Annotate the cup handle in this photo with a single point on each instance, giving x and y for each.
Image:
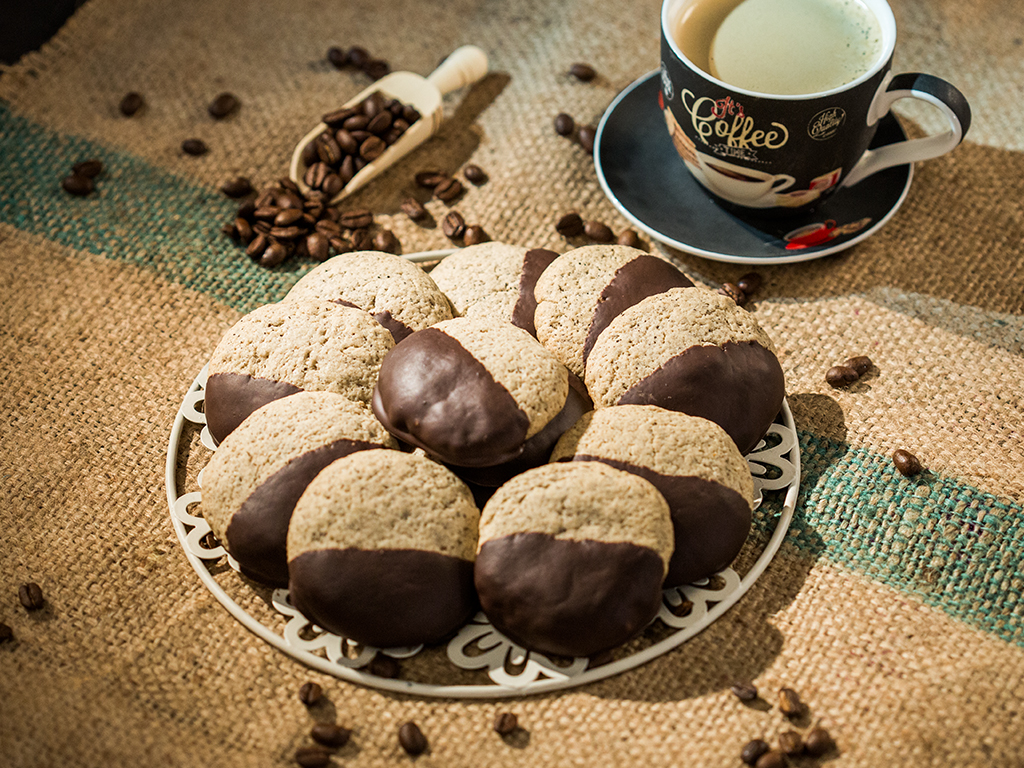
(786, 181)
(914, 85)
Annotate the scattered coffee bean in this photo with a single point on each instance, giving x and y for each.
(861, 364)
(586, 137)
(414, 209)
(310, 693)
(773, 758)
(412, 739)
(77, 185)
(474, 235)
(362, 239)
(430, 179)
(286, 217)
(582, 72)
(907, 463)
(377, 68)
(599, 232)
(131, 103)
(474, 174)
(385, 666)
(225, 104)
(570, 225)
(564, 124)
(840, 376)
(733, 292)
(749, 282)
(818, 742)
(237, 187)
(312, 757)
(506, 723)
(357, 56)
(630, 238)
(744, 691)
(386, 241)
(753, 750)
(6, 633)
(330, 734)
(789, 703)
(194, 147)
(88, 168)
(31, 596)
(791, 743)
(448, 190)
(337, 57)
(453, 225)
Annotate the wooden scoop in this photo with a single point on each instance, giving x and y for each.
(465, 65)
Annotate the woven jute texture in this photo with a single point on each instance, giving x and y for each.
(893, 606)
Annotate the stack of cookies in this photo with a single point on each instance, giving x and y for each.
(553, 439)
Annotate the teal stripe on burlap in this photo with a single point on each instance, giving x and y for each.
(138, 214)
(952, 545)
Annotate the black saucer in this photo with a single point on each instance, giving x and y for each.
(645, 178)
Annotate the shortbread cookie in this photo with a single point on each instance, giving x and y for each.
(572, 557)
(280, 349)
(470, 392)
(494, 281)
(381, 548)
(399, 294)
(253, 481)
(691, 350)
(695, 465)
(583, 290)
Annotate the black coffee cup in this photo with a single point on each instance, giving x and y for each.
(772, 153)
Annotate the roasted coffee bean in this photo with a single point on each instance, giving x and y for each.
(31, 596)
(336, 118)
(225, 104)
(288, 185)
(310, 693)
(356, 219)
(357, 56)
(861, 364)
(266, 213)
(414, 209)
(275, 254)
(328, 150)
(194, 147)
(386, 241)
(789, 703)
(582, 72)
(337, 57)
(453, 225)
(287, 217)
(372, 148)
(506, 723)
(586, 136)
(286, 233)
(377, 68)
(340, 245)
(131, 103)
(236, 187)
(332, 184)
(88, 168)
(773, 758)
(818, 742)
(410, 114)
(753, 750)
(328, 228)
(430, 179)
(474, 235)
(312, 757)
(286, 198)
(330, 734)
(630, 238)
(246, 209)
(77, 185)
(317, 246)
(474, 174)
(412, 739)
(265, 198)
(840, 376)
(599, 232)
(907, 463)
(564, 124)
(347, 169)
(309, 155)
(749, 282)
(315, 174)
(359, 136)
(357, 122)
(346, 141)
(6, 633)
(243, 229)
(791, 743)
(362, 240)
(385, 666)
(448, 190)
(733, 292)
(229, 230)
(570, 225)
(380, 122)
(373, 104)
(744, 691)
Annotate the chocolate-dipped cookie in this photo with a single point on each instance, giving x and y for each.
(280, 349)
(381, 548)
(695, 465)
(583, 290)
(469, 392)
(572, 557)
(494, 281)
(258, 473)
(399, 294)
(691, 350)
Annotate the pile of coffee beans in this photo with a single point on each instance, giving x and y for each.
(573, 227)
(354, 137)
(817, 742)
(358, 58)
(848, 371)
(742, 289)
(281, 222)
(80, 182)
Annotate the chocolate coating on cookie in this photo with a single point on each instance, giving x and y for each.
(565, 597)
(384, 598)
(398, 329)
(534, 264)
(738, 385)
(231, 397)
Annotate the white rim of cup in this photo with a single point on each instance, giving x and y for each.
(880, 8)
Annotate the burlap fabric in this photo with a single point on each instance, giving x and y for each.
(894, 605)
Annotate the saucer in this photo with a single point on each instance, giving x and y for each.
(643, 175)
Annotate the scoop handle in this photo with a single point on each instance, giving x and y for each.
(463, 66)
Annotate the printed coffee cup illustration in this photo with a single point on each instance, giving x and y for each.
(772, 104)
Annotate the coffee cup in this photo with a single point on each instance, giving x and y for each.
(772, 104)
